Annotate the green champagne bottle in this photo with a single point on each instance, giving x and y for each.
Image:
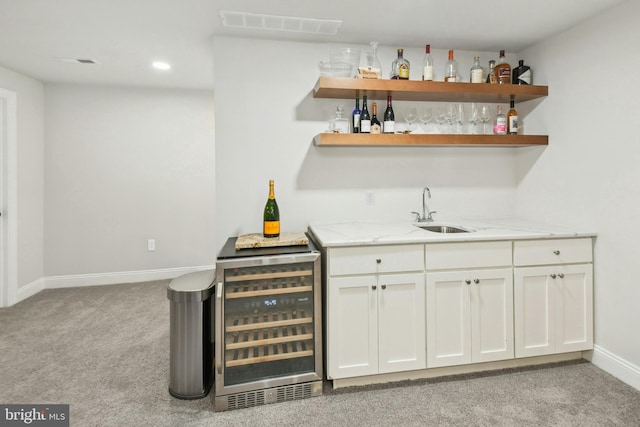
(271, 224)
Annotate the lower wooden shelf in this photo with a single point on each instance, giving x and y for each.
(431, 140)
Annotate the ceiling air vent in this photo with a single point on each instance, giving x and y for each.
(78, 60)
(256, 21)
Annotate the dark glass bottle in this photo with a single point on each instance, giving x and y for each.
(355, 117)
(521, 75)
(375, 123)
(389, 124)
(365, 118)
(271, 223)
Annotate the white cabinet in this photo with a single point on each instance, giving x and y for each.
(469, 302)
(553, 303)
(376, 321)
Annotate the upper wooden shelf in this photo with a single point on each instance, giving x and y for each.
(416, 90)
(432, 140)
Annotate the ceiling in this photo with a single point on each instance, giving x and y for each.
(125, 36)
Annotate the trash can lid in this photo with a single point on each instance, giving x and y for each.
(196, 286)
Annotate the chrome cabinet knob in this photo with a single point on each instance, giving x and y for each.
(561, 276)
(476, 281)
(384, 286)
(468, 282)
(378, 260)
(553, 276)
(557, 252)
(374, 287)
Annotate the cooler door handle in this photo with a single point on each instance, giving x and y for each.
(219, 323)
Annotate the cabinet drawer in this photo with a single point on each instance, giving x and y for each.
(440, 256)
(555, 251)
(376, 259)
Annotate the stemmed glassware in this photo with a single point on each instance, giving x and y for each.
(410, 116)
(485, 116)
(473, 117)
(425, 117)
(460, 118)
(449, 115)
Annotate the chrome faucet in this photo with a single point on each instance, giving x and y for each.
(426, 213)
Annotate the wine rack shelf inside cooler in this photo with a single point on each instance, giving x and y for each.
(270, 316)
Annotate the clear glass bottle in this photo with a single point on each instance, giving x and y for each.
(400, 67)
(340, 123)
(451, 69)
(500, 127)
(477, 72)
(491, 77)
(427, 65)
(371, 68)
(503, 70)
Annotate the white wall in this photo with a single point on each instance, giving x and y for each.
(589, 175)
(266, 118)
(30, 171)
(123, 165)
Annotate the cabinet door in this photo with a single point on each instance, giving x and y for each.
(401, 322)
(491, 293)
(448, 321)
(352, 323)
(534, 311)
(574, 308)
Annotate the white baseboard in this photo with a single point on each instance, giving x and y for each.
(616, 366)
(30, 289)
(80, 280)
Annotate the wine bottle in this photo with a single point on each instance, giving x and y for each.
(427, 65)
(477, 72)
(400, 67)
(355, 117)
(500, 127)
(503, 70)
(375, 123)
(389, 124)
(271, 223)
(491, 77)
(512, 119)
(451, 69)
(521, 74)
(365, 118)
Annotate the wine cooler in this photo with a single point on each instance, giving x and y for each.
(268, 327)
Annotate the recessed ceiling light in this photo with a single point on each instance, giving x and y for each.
(160, 65)
(255, 21)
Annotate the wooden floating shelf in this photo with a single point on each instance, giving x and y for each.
(417, 90)
(431, 140)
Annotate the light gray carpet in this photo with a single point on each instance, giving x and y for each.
(105, 351)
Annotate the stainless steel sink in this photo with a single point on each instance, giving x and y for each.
(443, 229)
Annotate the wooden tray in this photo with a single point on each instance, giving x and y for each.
(256, 240)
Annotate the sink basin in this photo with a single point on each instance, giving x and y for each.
(443, 229)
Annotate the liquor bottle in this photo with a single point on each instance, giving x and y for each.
(521, 74)
(491, 77)
(340, 123)
(503, 70)
(365, 118)
(427, 65)
(512, 119)
(477, 72)
(355, 117)
(271, 223)
(450, 69)
(375, 123)
(400, 67)
(500, 127)
(389, 124)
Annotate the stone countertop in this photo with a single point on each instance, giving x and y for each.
(358, 233)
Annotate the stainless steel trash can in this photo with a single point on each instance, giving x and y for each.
(191, 333)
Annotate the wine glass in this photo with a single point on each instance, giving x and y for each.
(440, 119)
(425, 117)
(449, 115)
(460, 118)
(474, 117)
(485, 116)
(410, 116)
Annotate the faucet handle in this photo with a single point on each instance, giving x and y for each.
(429, 217)
(417, 216)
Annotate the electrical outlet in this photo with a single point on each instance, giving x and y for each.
(370, 197)
(151, 245)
